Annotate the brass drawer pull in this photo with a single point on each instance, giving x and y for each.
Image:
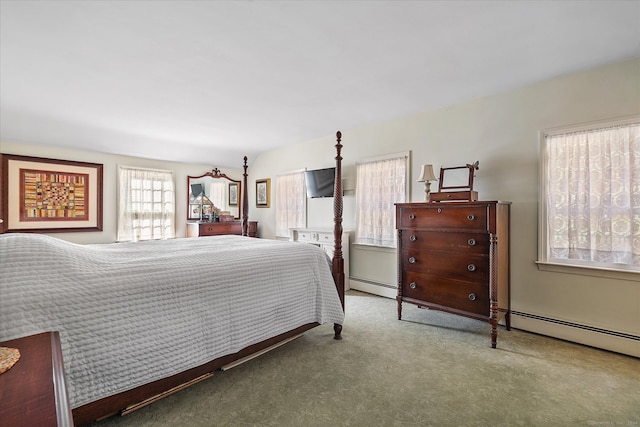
(471, 242)
(412, 238)
(412, 216)
(472, 297)
(413, 285)
(412, 260)
(471, 217)
(471, 267)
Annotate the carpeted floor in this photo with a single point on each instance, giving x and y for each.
(430, 369)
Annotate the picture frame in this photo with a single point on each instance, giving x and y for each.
(263, 190)
(50, 195)
(233, 194)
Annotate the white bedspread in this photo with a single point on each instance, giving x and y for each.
(132, 313)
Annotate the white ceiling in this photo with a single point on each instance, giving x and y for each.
(212, 81)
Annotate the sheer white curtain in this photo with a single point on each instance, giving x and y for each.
(593, 195)
(146, 208)
(290, 202)
(218, 195)
(379, 184)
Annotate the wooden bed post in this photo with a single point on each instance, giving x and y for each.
(245, 202)
(338, 260)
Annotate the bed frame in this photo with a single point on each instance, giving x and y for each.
(128, 401)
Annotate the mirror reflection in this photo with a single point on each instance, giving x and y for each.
(213, 197)
(459, 177)
(455, 177)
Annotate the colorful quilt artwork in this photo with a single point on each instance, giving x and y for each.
(51, 196)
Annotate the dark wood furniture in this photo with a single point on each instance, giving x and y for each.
(452, 185)
(195, 229)
(33, 391)
(126, 401)
(454, 257)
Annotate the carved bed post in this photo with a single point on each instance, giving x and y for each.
(338, 260)
(245, 202)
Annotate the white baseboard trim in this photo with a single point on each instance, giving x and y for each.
(370, 287)
(594, 337)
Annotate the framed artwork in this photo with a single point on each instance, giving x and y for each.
(233, 194)
(50, 195)
(263, 188)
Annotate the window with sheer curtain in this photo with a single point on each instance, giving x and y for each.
(290, 203)
(591, 196)
(380, 182)
(146, 208)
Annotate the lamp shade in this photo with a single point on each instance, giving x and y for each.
(426, 174)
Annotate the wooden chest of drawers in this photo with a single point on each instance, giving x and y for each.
(195, 229)
(455, 257)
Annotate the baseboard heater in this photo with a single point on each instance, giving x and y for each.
(377, 288)
(576, 325)
(371, 282)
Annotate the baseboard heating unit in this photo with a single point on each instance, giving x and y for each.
(619, 342)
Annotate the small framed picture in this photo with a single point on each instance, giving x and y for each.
(233, 194)
(263, 190)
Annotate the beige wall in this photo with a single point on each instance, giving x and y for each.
(502, 132)
(110, 168)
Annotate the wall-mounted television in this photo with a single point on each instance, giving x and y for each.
(320, 182)
(196, 190)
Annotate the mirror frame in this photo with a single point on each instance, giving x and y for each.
(471, 170)
(215, 174)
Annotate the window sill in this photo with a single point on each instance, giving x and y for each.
(610, 273)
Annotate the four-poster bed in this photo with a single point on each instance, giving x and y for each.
(301, 300)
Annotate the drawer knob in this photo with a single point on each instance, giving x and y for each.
(471, 267)
(412, 238)
(413, 285)
(471, 217)
(412, 216)
(439, 210)
(471, 242)
(412, 260)
(472, 297)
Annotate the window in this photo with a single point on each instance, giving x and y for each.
(146, 208)
(380, 182)
(290, 202)
(590, 189)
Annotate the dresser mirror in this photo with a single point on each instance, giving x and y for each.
(458, 177)
(211, 193)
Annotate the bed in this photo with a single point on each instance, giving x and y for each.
(138, 321)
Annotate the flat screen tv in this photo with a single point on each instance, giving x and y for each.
(196, 189)
(320, 182)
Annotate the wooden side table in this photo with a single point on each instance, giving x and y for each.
(33, 392)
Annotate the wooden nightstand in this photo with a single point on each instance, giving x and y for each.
(33, 392)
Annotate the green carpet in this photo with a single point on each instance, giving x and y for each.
(430, 369)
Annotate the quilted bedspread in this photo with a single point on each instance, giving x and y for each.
(132, 313)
